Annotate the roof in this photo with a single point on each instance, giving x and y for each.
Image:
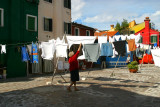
(138, 27)
(82, 26)
(105, 33)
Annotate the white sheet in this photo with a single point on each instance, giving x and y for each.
(80, 39)
(156, 56)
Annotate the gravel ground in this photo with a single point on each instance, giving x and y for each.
(100, 89)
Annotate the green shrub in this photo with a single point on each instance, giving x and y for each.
(133, 65)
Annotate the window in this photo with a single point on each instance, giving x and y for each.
(31, 23)
(1, 17)
(67, 28)
(48, 1)
(47, 24)
(77, 31)
(153, 38)
(33, 1)
(141, 40)
(87, 33)
(67, 4)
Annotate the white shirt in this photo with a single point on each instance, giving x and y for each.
(3, 49)
(48, 49)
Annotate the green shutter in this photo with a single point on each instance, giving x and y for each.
(0, 17)
(152, 39)
(88, 33)
(69, 28)
(141, 40)
(31, 23)
(76, 32)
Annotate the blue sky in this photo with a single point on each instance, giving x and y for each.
(101, 14)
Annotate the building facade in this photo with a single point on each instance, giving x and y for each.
(18, 24)
(82, 30)
(54, 19)
(149, 35)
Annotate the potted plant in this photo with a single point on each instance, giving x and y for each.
(133, 66)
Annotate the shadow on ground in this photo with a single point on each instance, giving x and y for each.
(93, 95)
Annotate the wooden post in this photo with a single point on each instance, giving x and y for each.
(115, 67)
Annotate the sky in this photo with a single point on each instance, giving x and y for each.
(101, 14)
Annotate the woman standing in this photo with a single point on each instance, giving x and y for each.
(74, 68)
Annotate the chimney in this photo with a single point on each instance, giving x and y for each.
(147, 30)
(112, 27)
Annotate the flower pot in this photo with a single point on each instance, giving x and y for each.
(133, 70)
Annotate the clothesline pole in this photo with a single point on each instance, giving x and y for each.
(55, 69)
(115, 66)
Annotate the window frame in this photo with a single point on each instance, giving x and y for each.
(69, 28)
(89, 33)
(141, 40)
(28, 15)
(154, 35)
(2, 17)
(49, 25)
(48, 1)
(68, 4)
(78, 31)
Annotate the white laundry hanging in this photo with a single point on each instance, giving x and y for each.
(3, 49)
(80, 39)
(48, 49)
(61, 48)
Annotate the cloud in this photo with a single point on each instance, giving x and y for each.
(77, 6)
(110, 19)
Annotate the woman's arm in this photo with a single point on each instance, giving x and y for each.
(79, 47)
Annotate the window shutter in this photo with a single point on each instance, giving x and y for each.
(156, 39)
(50, 24)
(69, 28)
(151, 39)
(66, 3)
(50, 1)
(31, 23)
(65, 27)
(69, 4)
(76, 32)
(44, 24)
(0, 17)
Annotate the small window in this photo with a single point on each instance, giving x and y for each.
(67, 4)
(47, 24)
(31, 23)
(77, 31)
(1, 17)
(48, 1)
(154, 39)
(141, 40)
(67, 28)
(87, 33)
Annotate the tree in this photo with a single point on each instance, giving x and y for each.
(124, 24)
(123, 28)
(118, 26)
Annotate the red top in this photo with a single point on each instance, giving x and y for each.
(73, 62)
